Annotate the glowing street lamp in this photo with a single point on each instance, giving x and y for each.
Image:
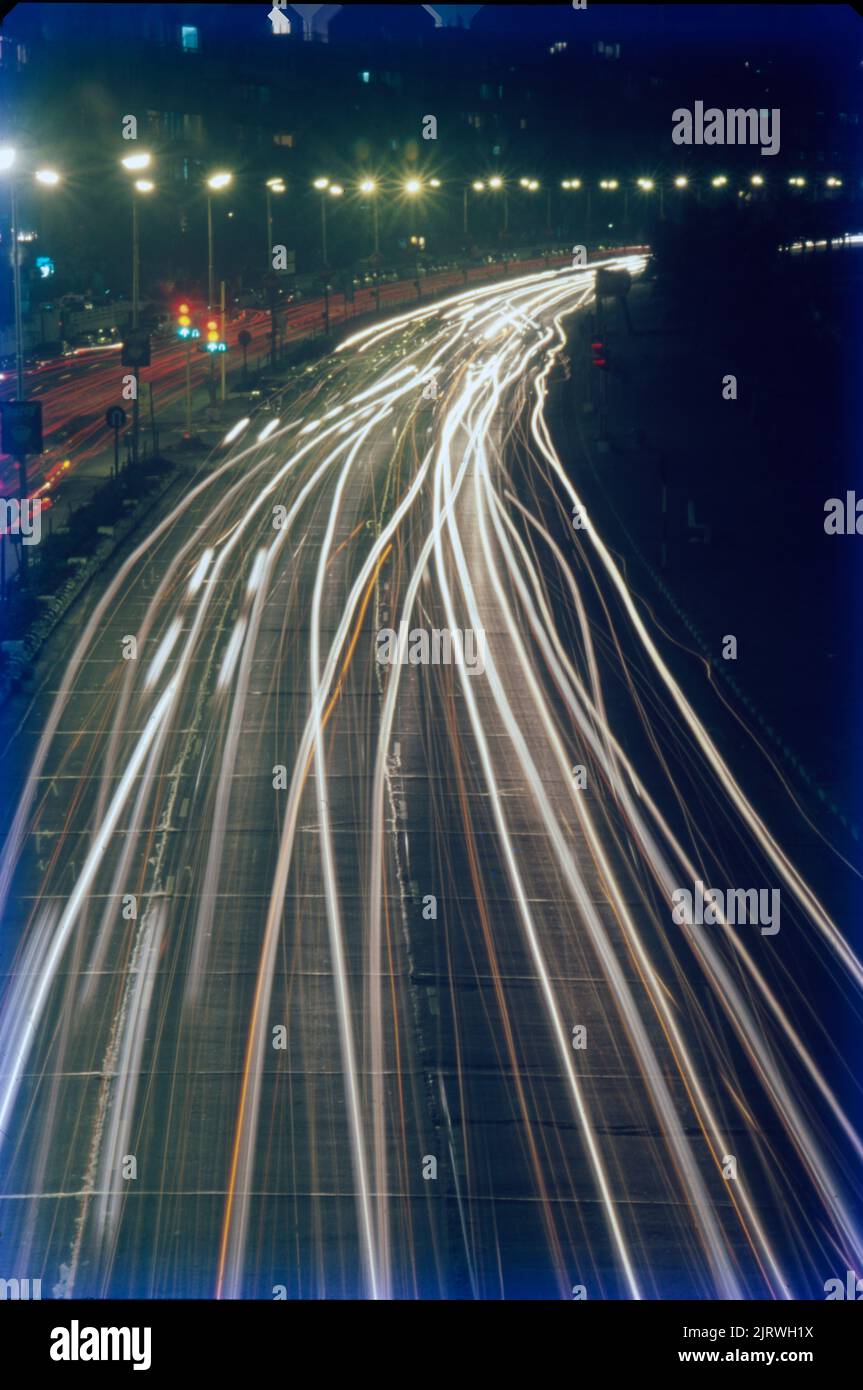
(335, 190)
(369, 187)
(412, 187)
(681, 181)
(757, 180)
(134, 162)
(719, 181)
(833, 182)
(215, 183)
(49, 177)
(498, 185)
(8, 157)
(274, 185)
(573, 186)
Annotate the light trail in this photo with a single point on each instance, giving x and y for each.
(275, 850)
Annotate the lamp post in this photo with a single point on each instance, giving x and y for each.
(334, 190)
(47, 177)
(214, 183)
(413, 188)
(272, 186)
(573, 186)
(370, 188)
(498, 185)
(610, 186)
(136, 163)
(648, 186)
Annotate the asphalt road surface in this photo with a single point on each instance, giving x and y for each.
(338, 972)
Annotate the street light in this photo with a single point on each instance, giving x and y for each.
(498, 185)
(274, 185)
(214, 183)
(757, 180)
(681, 181)
(573, 186)
(8, 157)
(370, 188)
(133, 162)
(796, 181)
(50, 177)
(719, 181)
(335, 190)
(322, 185)
(646, 185)
(833, 182)
(412, 187)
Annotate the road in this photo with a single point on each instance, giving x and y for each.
(76, 390)
(331, 976)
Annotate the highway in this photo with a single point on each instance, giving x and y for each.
(76, 390)
(331, 977)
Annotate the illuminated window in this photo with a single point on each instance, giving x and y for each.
(189, 38)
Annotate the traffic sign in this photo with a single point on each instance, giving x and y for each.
(612, 284)
(21, 427)
(115, 417)
(136, 349)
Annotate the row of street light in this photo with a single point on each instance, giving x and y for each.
(139, 163)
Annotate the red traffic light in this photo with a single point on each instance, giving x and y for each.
(183, 309)
(599, 353)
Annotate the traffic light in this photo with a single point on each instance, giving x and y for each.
(214, 339)
(599, 353)
(136, 349)
(184, 321)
